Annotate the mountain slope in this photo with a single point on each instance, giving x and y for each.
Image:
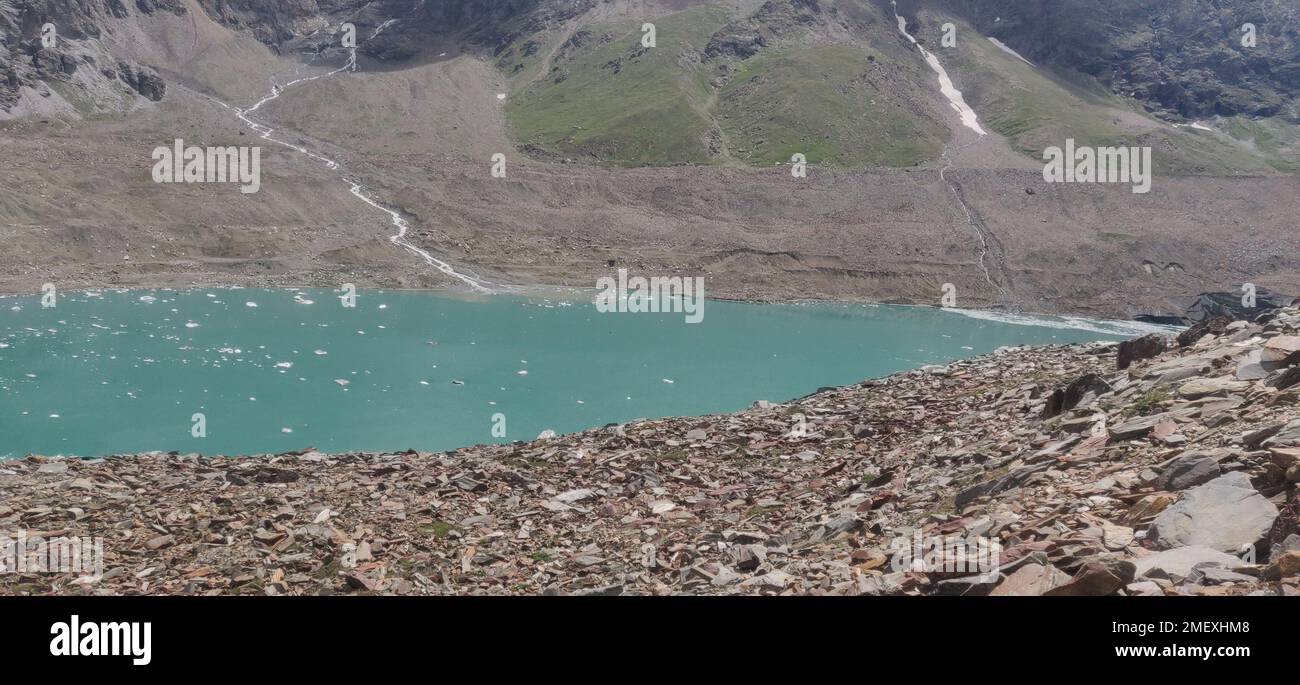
(418, 122)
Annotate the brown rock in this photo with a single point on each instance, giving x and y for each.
(1280, 348)
(1031, 580)
(1284, 566)
(1141, 348)
(1098, 577)
(1214, 326)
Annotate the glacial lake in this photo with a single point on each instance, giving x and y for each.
(115, 372)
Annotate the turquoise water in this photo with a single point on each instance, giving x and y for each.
(120, 372)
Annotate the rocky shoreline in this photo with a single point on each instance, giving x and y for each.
(1174, 475)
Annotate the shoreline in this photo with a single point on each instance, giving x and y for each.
(541, 290)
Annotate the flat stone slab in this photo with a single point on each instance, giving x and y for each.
(1279, 348)
(1225, 514)
(1179, 562)
(1189, 470)
(1286, 436)
(1031, 580)
(1205, 387)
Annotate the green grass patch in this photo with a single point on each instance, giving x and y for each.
(438, 529)
(614, 101)
(1277, 139)
(830, 103)
(1149, 402)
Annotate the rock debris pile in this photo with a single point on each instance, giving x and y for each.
(1173, 476)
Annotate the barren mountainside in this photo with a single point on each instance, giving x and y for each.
(673, 158)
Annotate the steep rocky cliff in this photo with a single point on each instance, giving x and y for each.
(57, 41)
(1189, 58)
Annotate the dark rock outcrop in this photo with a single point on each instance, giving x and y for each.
(1138, 349)
(143, 80)
(1069, 397)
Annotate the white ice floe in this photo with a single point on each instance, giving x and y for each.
(1106, 327)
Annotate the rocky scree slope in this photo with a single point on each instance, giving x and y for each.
(1173, 475)
(78, 65)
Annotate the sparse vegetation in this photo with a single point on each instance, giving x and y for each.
(1149, 402)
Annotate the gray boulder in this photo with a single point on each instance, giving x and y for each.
(1178, 563)
(1189, 470)
(1225, 514)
